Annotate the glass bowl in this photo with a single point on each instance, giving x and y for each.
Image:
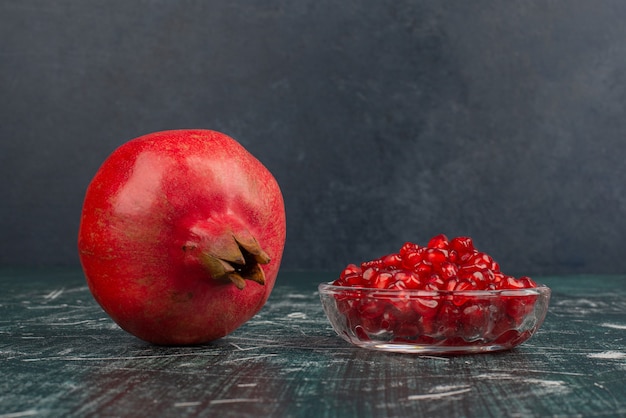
(435, 322)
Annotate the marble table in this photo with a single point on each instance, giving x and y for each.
(62, 356)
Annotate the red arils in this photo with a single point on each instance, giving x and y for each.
(432, 267)
(392, 261)
(436, 255)
(439, 241)
(350, 270)
(447, 270)
(384, 280)
(462, 245)
(450, 314)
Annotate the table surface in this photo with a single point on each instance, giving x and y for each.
(60, 355)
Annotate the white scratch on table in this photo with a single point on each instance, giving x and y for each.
(447, 388)
(555, 372)
(238, 347)
(61, 306)
(436, 358)
(596, 384)
(298, 296)
(608, 355)
(251, 358)
(545, 383)
(27, 413)
(577, 302)
(86, 321)
(293, 369)
(185, 404)
(614, 326)
(54, 294)
(297, 315)
(260, 342)
(608, 391)
(235, 400)
(86, 358)
(548, 386)
(246, 385)
(438, 394)
(495, 376)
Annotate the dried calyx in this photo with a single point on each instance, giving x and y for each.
(236, 258)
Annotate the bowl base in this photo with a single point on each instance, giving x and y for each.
(431, 349)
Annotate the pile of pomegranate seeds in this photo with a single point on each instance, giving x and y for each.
(441, 265)
(440, 316)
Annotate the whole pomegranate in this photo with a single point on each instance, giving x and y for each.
(181, 236)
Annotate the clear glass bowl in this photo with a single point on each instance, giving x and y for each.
(435, 322)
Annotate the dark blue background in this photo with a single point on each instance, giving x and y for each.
(383, 121)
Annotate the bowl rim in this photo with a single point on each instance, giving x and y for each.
(328, 288)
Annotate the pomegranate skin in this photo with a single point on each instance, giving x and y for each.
(160, 214)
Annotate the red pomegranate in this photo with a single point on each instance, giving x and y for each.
(181, 236)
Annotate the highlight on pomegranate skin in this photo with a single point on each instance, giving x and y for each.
(446, 296)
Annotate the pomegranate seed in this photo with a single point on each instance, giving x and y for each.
(350, 270)
(448, 318)
(462, 285)
(502, 325)
(436, 282)
(517, 308)
(354, 280)
(407, 329)
(382, 280)
(527, 282)
(392, 261)
(410, 260)
(498, 277)
(431, 287)
(424, 269)
(468, 269)
(410, 279)
(487, 276)
(462, 245)
(465, 257)
(479, 277)
(451, 284)
(408, 248)
(397, 285)
(439, 241)
(369, 274)
(481, 261)
(372, 264)
(447, 270)
(389, 320)
(475, 321)
(424, 307)
(512, 283)
(371, 309)
(436, 255)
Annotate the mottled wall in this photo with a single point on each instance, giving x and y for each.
(383, 121)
